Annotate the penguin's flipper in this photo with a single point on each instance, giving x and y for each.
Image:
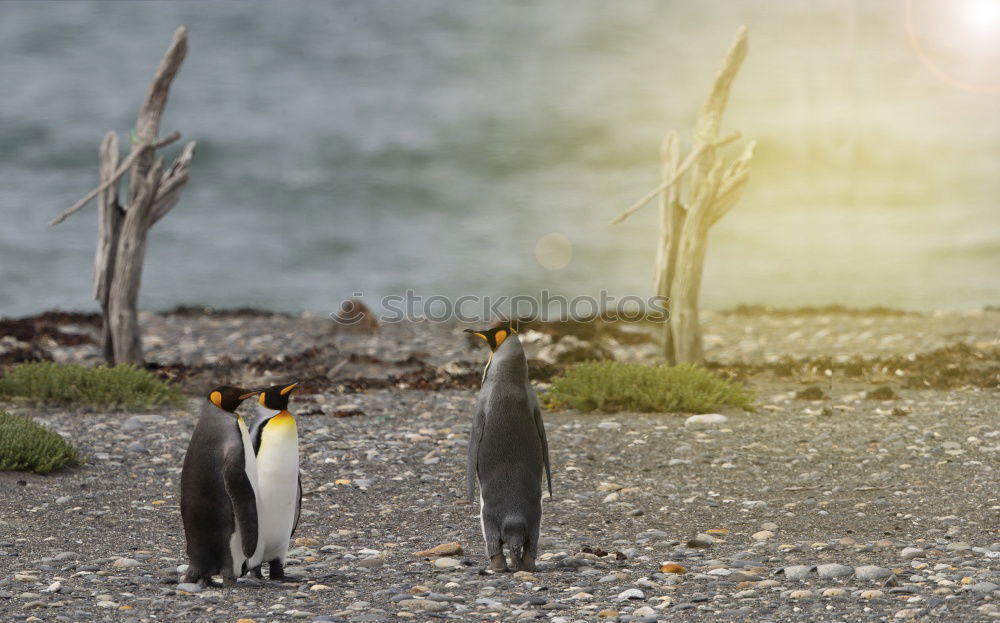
(241, 495)
(298, 506)
(545, 444)
(472, 469)
(257, 428)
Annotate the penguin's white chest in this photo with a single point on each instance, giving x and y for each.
(278, 479)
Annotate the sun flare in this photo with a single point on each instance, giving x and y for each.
(980, 17)
(957, 41)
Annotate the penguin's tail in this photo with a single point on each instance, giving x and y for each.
(515, 534)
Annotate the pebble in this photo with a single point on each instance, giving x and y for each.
(138, 422)
(189, 587)
(422, 605)
(797, 572)
(834, 570)
(447, 563)
(984, 588)
(632, 593)
(125, 563)
(909, 553)
(871, 572)
(444, 549)
(870, 594)
(800, 594)
(705, 420)
(762, 535)
(701, 541)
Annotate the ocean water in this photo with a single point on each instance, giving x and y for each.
(380, 146)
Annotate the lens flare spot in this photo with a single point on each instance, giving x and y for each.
(981, 16)
(554, 251)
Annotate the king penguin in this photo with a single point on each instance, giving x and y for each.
(219, 501)
(275, 440)
(507, 452)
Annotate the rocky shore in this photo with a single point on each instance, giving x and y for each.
(829, 506)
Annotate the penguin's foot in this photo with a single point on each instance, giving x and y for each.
(527, 562)
(276, 572)
(228, 582)
(498, 562)
(257, 572)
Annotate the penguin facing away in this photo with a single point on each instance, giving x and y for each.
(507, 453)
(276, 443)
(219, 501)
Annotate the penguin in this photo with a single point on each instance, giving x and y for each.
(275, 441)
(507, 453)
(219, 499)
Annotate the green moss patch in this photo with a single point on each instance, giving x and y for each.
(26, 445)
(120, 387)
(615, 386)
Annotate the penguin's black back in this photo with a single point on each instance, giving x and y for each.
(205, 505)
(509, 454)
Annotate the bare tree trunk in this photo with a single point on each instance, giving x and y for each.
(686, 287)
(109, 225)
(152, 192)
(124, 296)
(711, 193)
(704, 183)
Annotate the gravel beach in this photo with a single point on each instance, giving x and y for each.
(842, 508)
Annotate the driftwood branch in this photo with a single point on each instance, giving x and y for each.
(706, 129)
(733, 181)
(110, 220)
(678, 173)
(173, 182)
(147, 122)
(669, 156)
(106, 183)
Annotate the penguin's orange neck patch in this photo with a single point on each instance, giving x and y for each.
(216, 398)
(283, 422)
(500, 336)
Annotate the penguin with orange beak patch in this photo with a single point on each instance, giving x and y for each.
(508, 453)
(275, 439)
(219, 496)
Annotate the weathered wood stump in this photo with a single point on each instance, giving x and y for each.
(152, 191)
(685, 218)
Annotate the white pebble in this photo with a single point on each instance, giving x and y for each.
(706, 419)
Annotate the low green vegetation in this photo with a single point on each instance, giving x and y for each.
(120, 387)
(616, 386)
(26, 445)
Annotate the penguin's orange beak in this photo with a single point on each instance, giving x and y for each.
(248, 395)
(288, 388)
